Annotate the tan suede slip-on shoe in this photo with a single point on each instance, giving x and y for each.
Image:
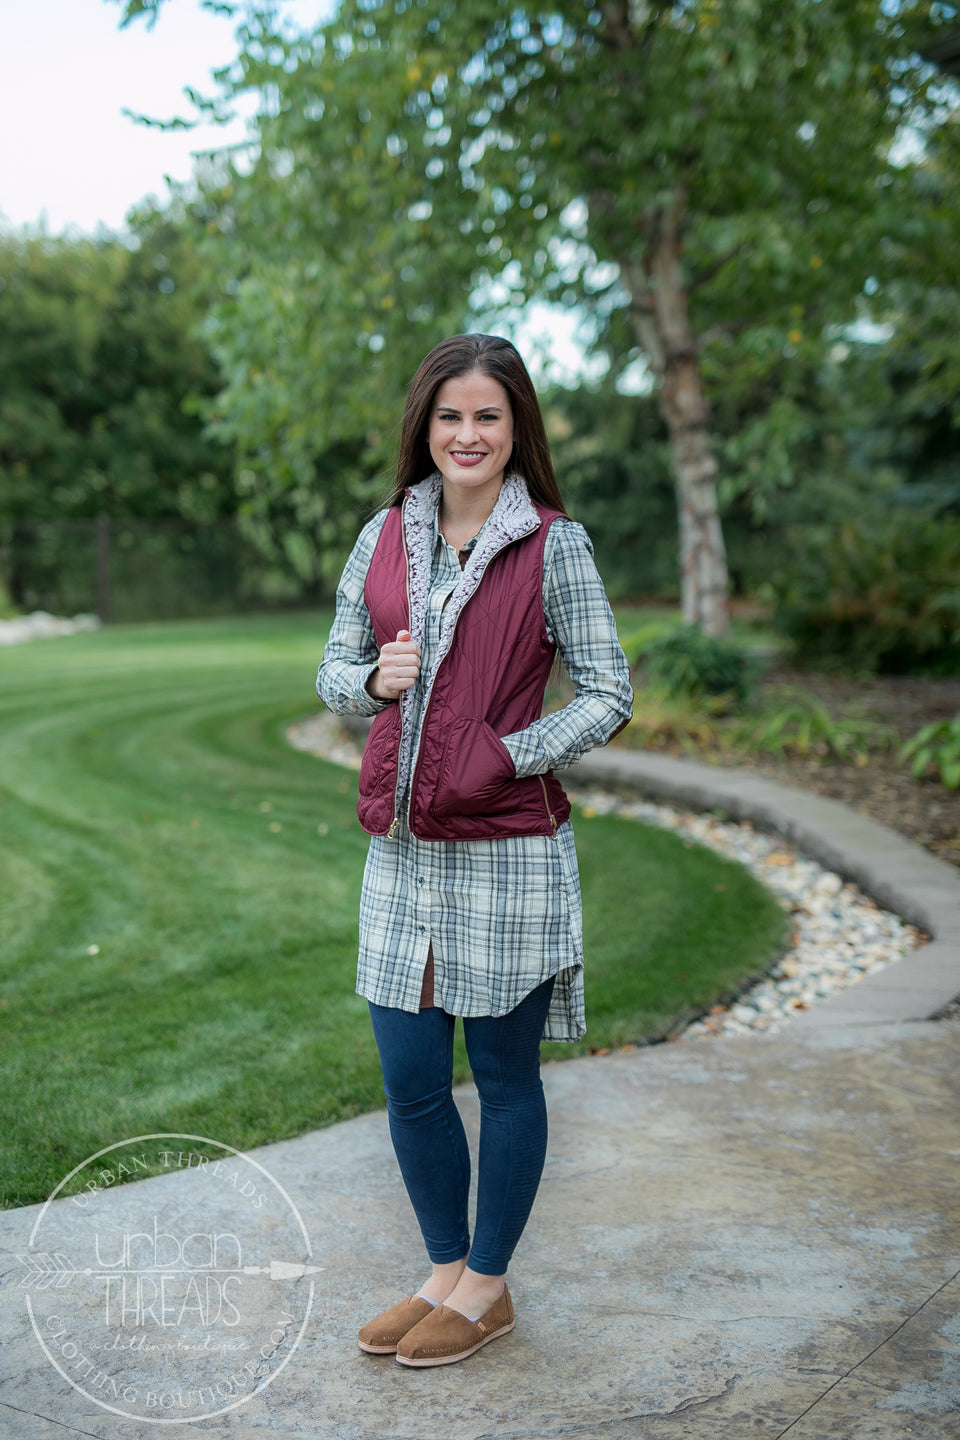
(446, 1336)
(381, 1335)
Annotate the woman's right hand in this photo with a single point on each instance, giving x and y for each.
(397, 668)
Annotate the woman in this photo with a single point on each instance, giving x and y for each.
(450, 611)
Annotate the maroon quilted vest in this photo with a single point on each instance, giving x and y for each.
(491, 683)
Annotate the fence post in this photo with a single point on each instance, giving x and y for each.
(103, 568)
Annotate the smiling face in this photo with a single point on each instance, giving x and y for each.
(471, 434)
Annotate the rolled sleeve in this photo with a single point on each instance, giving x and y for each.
(580, 621)
(351, 653)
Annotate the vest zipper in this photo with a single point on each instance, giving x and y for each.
(546, 801)
(395, 822)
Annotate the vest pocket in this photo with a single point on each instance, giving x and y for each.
(474, 773)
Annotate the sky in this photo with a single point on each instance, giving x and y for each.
(72, 162)
(69, 157)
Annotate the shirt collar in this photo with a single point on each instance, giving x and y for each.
(468, 545)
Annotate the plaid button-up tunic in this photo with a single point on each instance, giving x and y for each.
(502, 915)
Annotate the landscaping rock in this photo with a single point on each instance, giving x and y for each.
(839, 935)
(43, 626)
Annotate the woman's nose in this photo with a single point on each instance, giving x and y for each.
(466, 431)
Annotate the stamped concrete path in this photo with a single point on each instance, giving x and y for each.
(738, 1238)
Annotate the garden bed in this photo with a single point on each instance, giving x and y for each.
(922, 810)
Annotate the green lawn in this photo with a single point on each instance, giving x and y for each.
(178, 896)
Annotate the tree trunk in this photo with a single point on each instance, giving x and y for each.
(661, 322)
(19, 568)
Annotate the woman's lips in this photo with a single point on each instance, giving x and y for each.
(468, 457)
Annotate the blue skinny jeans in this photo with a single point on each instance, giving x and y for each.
(416, 1056)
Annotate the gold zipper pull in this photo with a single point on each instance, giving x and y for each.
(552, 817)
(395, 826)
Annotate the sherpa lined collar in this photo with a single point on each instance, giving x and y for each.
(512, 516)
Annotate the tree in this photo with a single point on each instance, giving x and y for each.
(100, 363)
(100, 372)
(601, 441)
(710, 182)
(922, 356)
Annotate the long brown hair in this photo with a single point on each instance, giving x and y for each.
(490, 355)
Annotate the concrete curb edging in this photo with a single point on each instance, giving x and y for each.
(894, 871)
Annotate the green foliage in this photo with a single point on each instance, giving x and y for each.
(101, 371)
(636, 643)
(881, 596)
(693, 723)
(783, 721)
(136, 569)
(427, 167)
(7, 607)
(922, 306)
(936, 746)
(794, 722)
(611, 458)
(687, 662)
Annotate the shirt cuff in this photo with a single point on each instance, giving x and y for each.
(527, 753)
(350, 695)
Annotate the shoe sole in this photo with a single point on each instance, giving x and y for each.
(461, 1354)
(378, 1349)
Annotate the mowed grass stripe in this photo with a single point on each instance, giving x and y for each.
(150, 807)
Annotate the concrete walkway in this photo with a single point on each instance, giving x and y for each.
(734, 1238)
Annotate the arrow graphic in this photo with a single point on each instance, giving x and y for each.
(47, 1270)
(56, 1271)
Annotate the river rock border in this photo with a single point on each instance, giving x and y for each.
(897, 874)
(840, 934)
(43, 626)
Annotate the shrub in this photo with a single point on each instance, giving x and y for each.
(797, 723)
(688, 662)
(882, 596)
(686, 722)
(636, 643)
(936, 745)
